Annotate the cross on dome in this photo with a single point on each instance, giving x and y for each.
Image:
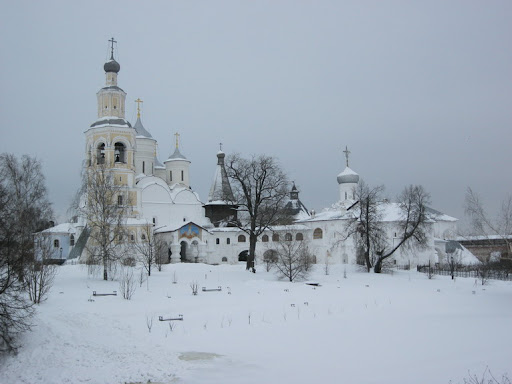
(138, 101)
(112, 41)
(347, 153)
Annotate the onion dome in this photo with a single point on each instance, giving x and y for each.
(348, 176)
(112, 65)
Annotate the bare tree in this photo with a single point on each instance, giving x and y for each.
(148, 248)
(270, 259)
(260, 192)
(127, 282)
(293, 258)
(39, 274)
(106, 205)
(367, 225)
(413, 226)
(24, 210)
(489, 228)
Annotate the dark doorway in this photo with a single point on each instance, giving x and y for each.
(183, 252)
(242, 256)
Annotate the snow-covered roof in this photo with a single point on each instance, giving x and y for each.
(111, 121)
(348, 176)
(61, 228)
(174, 226)
(484, 237)
(390, 212)
(141, 131)
(440, 216)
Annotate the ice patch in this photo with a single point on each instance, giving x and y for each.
(198, 356)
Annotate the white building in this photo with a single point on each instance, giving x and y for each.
(194, 231)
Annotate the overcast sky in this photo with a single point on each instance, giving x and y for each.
(420, 91)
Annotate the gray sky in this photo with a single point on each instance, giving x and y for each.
(420, 91)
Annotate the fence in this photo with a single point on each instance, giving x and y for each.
(468, 272)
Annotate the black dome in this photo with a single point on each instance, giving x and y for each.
(112, 66)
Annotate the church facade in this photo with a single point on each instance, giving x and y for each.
(160, 196)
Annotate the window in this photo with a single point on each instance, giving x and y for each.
(120, 200)
(241, 239)
(288, 237)
(317, 234)
(275, 237)
(217, 241)
(154, 221)
(100, 154)
(170, 175)
(143, 236)
(182, 175)
(119, 153)
(228, 241)
(264, 238)
(224, 259)
(132, 237)
(72, 240)
(143, 167)
(56, 243)
(299, 236)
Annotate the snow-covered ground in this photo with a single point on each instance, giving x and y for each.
(365, 328)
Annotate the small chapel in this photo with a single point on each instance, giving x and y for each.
(192, 230)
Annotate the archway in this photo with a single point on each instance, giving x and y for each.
(183, 252)
(242, 256)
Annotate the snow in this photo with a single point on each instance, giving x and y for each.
(61, 228)
(366, 328)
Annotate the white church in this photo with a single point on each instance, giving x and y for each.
(195, 231)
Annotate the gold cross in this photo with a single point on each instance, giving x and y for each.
(177, 138)
(138, 101)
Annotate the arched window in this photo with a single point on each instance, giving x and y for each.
(264, 238)
(288, 237)
(228, 241)
(143, 236)
(100, 154)
(119, 153)
(71, 240)
(224, 259)
(217, 241)
(56, 243)
(241, 239)
(317, 234)
(275, 237)
(120, 200)
(299, 236)
(143, 167)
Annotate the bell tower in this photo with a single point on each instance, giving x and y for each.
(110, 140)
